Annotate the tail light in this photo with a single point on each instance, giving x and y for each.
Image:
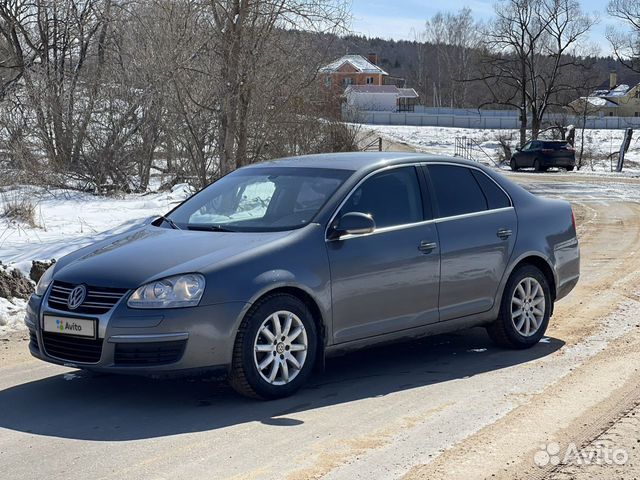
(573, 220)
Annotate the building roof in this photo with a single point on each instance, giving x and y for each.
(616, 92)
(600, 102)
(619, 91)
(408, 93)
(358, 62)
(386, 89)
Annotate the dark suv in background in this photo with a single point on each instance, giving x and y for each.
(542, 154)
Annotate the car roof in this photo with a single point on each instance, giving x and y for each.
(356, 161)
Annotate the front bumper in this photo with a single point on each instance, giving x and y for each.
(142, 342)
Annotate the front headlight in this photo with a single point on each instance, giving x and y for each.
(171, 292)
(45, 281)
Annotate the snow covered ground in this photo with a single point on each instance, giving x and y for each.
(66, 221)
(599, 144)
(11, 315)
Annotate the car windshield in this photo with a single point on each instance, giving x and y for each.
(260, 199)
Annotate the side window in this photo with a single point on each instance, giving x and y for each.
(391, 198)
(527, 146)
(457, 191)
(496, 198)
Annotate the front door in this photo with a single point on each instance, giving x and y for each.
(387, 280)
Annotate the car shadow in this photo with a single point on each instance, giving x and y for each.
(118, 408)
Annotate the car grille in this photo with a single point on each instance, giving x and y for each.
(154, 353)
(99, 300)
(74, 349)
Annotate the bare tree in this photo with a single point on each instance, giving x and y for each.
(445, 54)
(52, 44)
(244, 33)
(103, 92)
(529, 48)
(626, 43)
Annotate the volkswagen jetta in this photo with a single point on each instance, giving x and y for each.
(276, 265)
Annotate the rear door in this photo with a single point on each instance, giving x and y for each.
(477, 228)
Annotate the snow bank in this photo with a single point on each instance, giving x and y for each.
(12, 315)
(68, 220)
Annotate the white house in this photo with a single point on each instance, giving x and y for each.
(381, 98)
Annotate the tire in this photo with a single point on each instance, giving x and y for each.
(504, 330)
(570, 169)
(246, 377)
(536, 165)
(513, 165)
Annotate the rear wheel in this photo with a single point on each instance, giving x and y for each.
(570, 169)
(513, 165)
(275, 348)
(524, 311)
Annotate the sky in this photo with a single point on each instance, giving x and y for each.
(399, 19)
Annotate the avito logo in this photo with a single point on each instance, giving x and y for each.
(62, 326)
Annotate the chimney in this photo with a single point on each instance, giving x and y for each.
(613, 80)
(373, 58)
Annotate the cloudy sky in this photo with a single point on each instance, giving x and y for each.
(399, 19)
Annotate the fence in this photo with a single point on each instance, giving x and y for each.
(466, 147)
(501, 119)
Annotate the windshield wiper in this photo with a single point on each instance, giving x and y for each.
(210, 228)
(169, 221)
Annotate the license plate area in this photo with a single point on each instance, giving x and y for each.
(70, 326)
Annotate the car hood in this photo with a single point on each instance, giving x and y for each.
(145, 254)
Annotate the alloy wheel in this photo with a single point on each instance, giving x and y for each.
(280, 348)
(528, 306)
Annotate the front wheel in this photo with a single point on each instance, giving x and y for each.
(275, 348)
(537, 166)
(513, 165)
(570, 169)
(524, 311)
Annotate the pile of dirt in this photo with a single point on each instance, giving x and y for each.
(13, 284)
(38, 269)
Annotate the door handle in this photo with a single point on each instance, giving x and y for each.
(504, 233)
(427, 247)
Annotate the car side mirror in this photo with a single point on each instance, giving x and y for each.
(353, 223)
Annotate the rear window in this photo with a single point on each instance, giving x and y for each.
(457, 191)
(496, 198)
(556, 145)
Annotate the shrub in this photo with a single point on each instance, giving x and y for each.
(19, 207)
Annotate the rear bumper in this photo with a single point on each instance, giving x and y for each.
(567, 260)
(143, 342)
(558, 161)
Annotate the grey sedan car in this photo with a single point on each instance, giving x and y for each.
(273, 267)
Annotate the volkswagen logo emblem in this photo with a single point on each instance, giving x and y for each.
(76, 297)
